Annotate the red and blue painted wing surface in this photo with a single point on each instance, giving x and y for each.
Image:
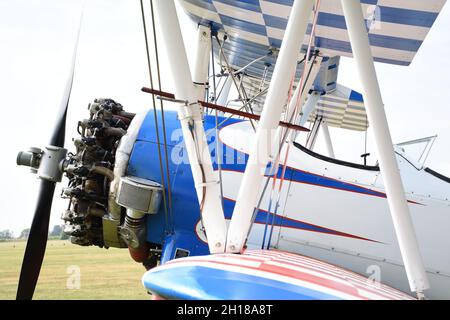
(262, 275)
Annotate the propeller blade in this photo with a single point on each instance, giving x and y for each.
(37, 240)
(58, 136)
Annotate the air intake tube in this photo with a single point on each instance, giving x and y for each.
(133, 232)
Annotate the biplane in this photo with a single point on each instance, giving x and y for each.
(226, 198)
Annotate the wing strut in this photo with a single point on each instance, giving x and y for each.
(403, 225)
(265, 134)
(190, 115)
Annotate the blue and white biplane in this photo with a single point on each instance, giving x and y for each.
(225, 197)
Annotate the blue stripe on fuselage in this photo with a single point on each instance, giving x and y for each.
(144, 162)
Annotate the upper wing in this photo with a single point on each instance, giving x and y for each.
(397, 28)
(255, 30)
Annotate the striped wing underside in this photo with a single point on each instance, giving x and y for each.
(255, 28)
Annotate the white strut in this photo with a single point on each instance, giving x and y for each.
(276, 97)
(398, 204)
(190, 116)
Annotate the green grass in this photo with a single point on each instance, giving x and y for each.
(104, 274)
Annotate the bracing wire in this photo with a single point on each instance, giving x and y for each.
(155, 116)
(166, 155)
(245, 104)
(218, 84)
(223, 85)
(303, 81)
(276, 165)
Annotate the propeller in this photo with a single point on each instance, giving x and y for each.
(47, 164)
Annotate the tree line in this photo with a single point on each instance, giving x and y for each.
(56, 233)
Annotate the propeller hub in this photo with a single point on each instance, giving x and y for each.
(47, 163)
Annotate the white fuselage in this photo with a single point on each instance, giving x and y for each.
(349, 204)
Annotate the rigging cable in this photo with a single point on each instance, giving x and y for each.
(270, 175)
(217, 85)
(274, 177)
(251, 100)
(303, 82)
(274, 165)
(155, 116)
(222, 54)
(166, 156)
(282, 175)
(244, 93)
(223, 85)
(264, 76)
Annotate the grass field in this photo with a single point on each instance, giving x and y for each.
(103, 274)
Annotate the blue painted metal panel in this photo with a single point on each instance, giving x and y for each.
(186, 240)
(144, 163)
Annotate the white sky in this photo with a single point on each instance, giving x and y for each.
(36, 39)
